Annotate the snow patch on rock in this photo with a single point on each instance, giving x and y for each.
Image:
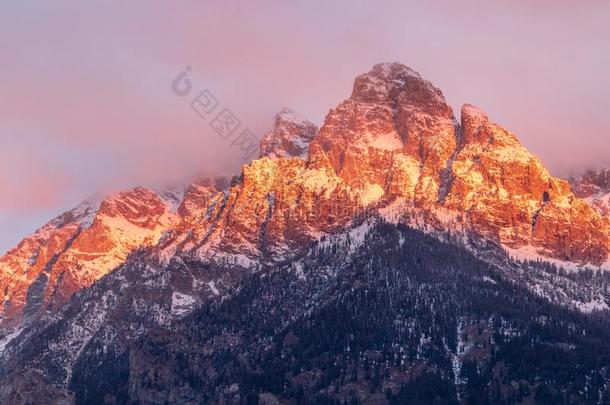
(182, 303)
(531, 253)
(8, 339)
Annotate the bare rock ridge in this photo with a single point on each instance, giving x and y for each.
(394, 145)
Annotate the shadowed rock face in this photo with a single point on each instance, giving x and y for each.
(393, 142)
(290, 136)
(594, 187)
(592, 182)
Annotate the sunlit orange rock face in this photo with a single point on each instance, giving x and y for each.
(76, 249)
(508, 195)
(395, 139)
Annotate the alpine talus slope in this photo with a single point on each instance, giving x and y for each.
(394, 144)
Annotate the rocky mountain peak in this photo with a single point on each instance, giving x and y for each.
(77, 248)
(290, 136)
(393, 136)
(197, 195)
(139, 206)
(393, 143)
(314, 236)
(398, 85)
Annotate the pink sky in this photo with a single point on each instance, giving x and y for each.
(86, 105)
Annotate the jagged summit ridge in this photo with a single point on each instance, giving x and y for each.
(396, 138)
(394, 144)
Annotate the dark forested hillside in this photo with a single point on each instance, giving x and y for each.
(400, 318)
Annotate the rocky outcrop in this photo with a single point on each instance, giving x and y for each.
(290, 136)
(394, 139)
(508, 195)
(391, 138)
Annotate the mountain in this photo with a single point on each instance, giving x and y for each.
(395, 247)
(394, 142)
(290, 136)
(379, 314)
(77, 248)
(594, 187)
